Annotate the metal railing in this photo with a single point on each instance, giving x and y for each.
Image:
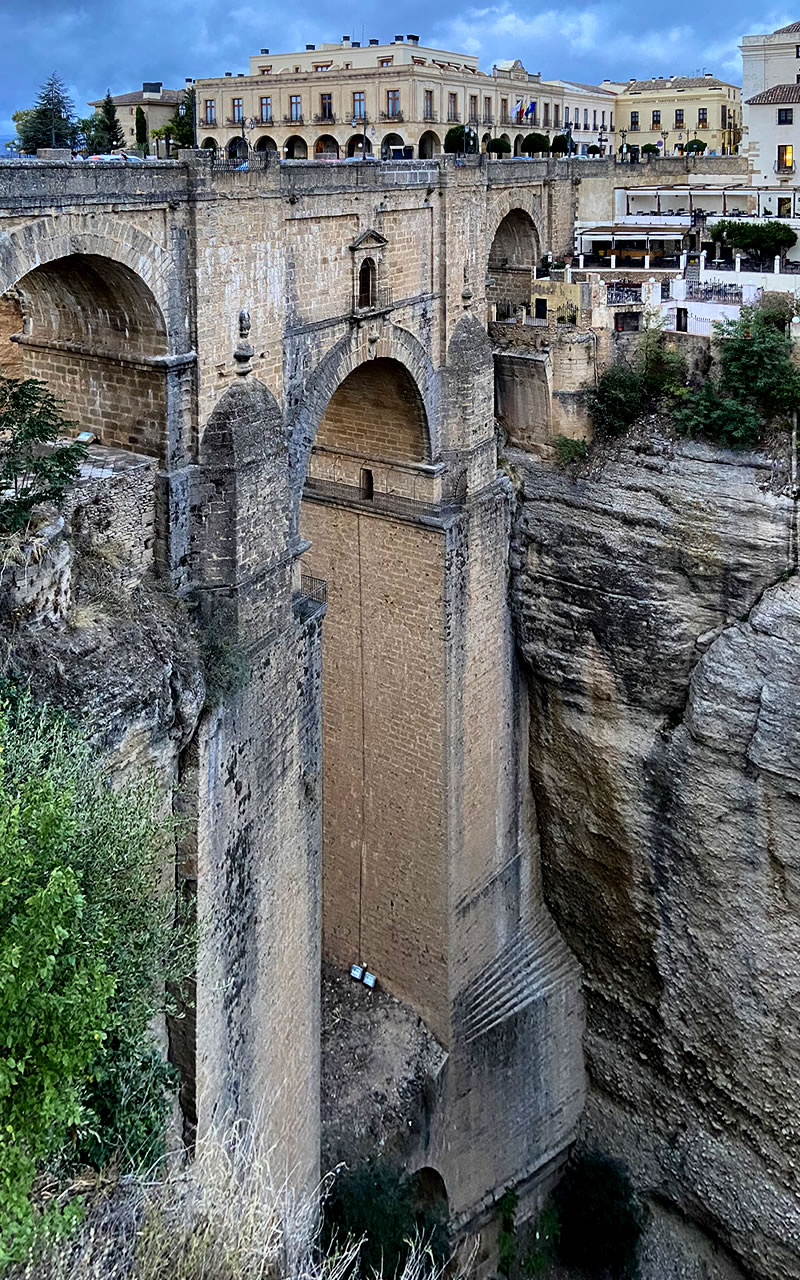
(392, 115)
(706, 291)
(488, 120)
(314, 588)
(221, 162)
(453, 117)
(381, 300)
(430, 117)
(623, 293)
(783, 168)
(293, 119)
(325, 119)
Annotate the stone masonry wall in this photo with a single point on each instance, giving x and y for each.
(377, 410)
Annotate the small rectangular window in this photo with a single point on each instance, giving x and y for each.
(237, 110)
(367, 484)
(785, 115)
(702, 117)
(634, 121)
(211, 111)
(797, 50)
(682, 320)
(296, 107)
(452, 106)
(594, 119)
(266, 110)
(326, 106)
(786, 158)
(359, 105)
(656, 120)
(679, 117)
(393, 104)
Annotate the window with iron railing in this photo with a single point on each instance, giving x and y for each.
(359, 105)
(427, 104)
(296, 108)
(473, 109)
(266, 110)
(679, 117)
(325, 106)
(702, 117)
(452, 106)
(393, 104)
(236, 111)
(785, 115)
(211, 111)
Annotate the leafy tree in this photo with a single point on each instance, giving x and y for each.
(718, 417)
(498, 146)
(764, 239)
(141, 131)
(181, 127)
(600, 1214)
(696, 147)
(163, 134)
(85, 939)
(594, 150)
(535, 144)
(34, 466)
(617, 400)
(109, 130)
(50, 123)
(649, 149)
(560, 145)
(755, 359)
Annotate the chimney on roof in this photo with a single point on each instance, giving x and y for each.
(412, 39)
(356, 44)
(398, 40)
(309, 47)
(374, 42)
(189, 80)
(265, 50)
(228, 73)
(152, 88)
(345, 39)
(709, 75)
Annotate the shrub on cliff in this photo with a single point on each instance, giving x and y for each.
(601, 1218)
(86, 938)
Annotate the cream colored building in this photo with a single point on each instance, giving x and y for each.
(671, 111)
(398, 98)
(157, 103)
(588, 113)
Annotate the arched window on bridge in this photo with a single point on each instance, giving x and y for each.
(367, 284)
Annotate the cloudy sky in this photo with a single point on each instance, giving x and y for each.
(101, 43)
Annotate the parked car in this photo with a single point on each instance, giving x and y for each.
(119, 157)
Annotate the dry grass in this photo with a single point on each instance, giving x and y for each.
(222, 1217)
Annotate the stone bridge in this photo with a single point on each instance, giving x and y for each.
(304, 349)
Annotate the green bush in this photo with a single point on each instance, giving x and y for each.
(649, 149)
(569, 450)
(600, 1214)
(376, 1201)
(720, 418)
(454, 140)
(697, 146)
(34, 466)
(617, 400)
(507, 1232)
(543, 1252)
(86, 941)
(499, 146)
(755, 359)
(560, 145)
(594, 150)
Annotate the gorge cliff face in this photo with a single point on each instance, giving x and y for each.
(657, 609)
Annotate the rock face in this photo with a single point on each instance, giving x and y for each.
(657, 608)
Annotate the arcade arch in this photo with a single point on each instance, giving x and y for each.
(295, 148)
(326, 148)
(358, 145)
(237, 149)
(392, 142)
(429, 145)
(266, 143)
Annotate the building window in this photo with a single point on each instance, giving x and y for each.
(326, 106)
(797, 50)
(211, 111)
(586, 117)
(556, 116)
(679, 117)
(386, 62)
(487, 111)
(427, 104)
(546, 115)
(296, 107)
(540, 308)
(504, 110)
(594, 119)
(786, 158)
(785, 115)
(566, 116)
(359, 105)
(603, 120)
(266, 110)
(635, 121)
(322, 66)
(366, 283)
(393, 104)
(237, 110)
(452, 106)
(473, 108)
(611, 120)
(725, 116)
(784, 206)
(702, 117)
(656, 120)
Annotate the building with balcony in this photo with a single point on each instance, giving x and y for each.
(335, 101)
(671, 111)
(587, 113)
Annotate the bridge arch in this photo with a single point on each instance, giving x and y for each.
(312, 399)
(517, 238)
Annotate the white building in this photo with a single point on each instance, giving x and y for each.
(771, 113)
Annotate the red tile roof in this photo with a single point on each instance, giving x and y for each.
(168, 96)
(778, 94)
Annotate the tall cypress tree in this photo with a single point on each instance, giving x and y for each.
(110, 128)
(141, 131)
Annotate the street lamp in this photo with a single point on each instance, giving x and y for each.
(664, 136)
(601, 141)
(623, 133)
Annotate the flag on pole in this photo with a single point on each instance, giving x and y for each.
(518, 108)
(531, 109)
